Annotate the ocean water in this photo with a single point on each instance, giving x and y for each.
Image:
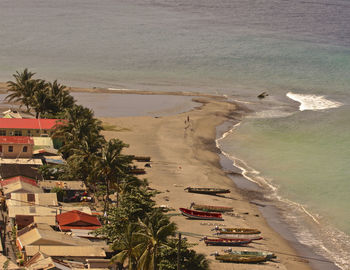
(298, 51)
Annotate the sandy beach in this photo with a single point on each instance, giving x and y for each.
(184, 154)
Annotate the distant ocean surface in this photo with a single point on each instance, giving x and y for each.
(295, 50)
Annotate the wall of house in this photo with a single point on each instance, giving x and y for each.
(24, 132)
(17, 151)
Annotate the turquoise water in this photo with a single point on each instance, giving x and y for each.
(237, 48)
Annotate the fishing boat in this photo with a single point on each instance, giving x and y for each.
(239, 236)
(210, 191)
(200, 214)
(240, 259)
(236, 231)
(211, 208)
(226, 242)
(246, 253)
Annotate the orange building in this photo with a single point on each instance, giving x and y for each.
(16, 147)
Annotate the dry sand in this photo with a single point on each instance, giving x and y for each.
(184, 154)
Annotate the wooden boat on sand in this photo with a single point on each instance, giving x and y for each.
(226, 242)
(239, 236)
(210, 191)
(236, 231)
(240, 259)
(246, 253)
(211, 208)
(200, 214)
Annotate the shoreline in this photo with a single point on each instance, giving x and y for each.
(206, 152)
(273, 209)
(205, 99)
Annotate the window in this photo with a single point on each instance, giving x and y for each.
(18, 132)
(25, 149)
(2, 132)
(10, 148)
(30, 197)
(28, 132)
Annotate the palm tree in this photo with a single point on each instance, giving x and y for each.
(81, 130)
(113, 167)
(129, 246)
(22, 89)
(60, 97)
(40, 100)
(155, 230)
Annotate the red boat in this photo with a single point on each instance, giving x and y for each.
(200, 214)
(226, 242)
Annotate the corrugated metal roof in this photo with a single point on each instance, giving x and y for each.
(15, 139)
(29, 123)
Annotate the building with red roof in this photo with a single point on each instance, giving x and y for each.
(28, 127)
(16, 147)
(77, 220)
(18, 179)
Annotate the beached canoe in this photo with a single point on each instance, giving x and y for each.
(240, 259)
(236, 231)
(211, 208)
(226, 242)
(246, 253)
(239, 236)
(200, 214)
(210, 191)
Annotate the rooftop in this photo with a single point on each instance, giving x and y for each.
(15, 123)
(20, 186)
(68, 185)
(77, 220)
(18, 178)
(28, 170)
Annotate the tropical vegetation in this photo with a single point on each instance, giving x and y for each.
(141, 234)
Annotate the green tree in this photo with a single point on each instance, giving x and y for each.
(134, 204)
(129, 246)
(112, 167)
(40, 100)
(60, 98)
(155, 230)
(22, 88)
(189, 259)
(80, 132)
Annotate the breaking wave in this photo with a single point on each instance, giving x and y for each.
(313, 102)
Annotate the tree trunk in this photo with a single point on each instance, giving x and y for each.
(155, 258)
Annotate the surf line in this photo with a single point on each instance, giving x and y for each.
(313, 102)
(262, 181)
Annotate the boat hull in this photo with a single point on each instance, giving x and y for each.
(200, 215)
(208, 191)
(210, 208)
(226, 242)
(237, 231)
(268, 255)
(241, 259)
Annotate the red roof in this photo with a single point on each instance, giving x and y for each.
(77, 220)
(16, 140)
(29, 123)
(18, 178)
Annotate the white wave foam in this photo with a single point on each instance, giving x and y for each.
(313, 102)
(341, 240)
